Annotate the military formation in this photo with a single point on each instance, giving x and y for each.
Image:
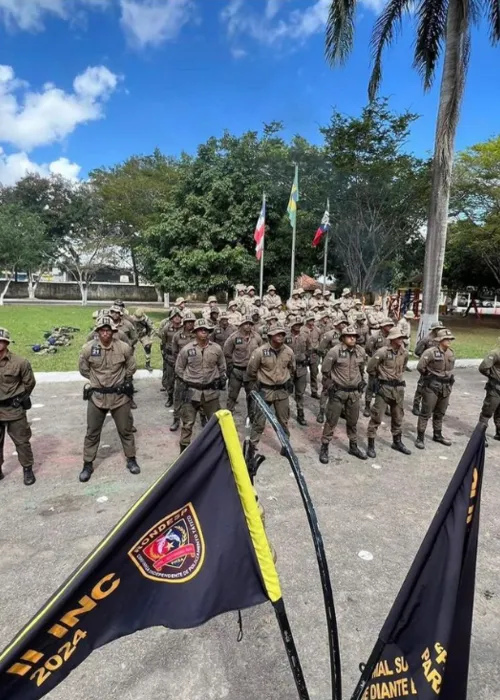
(353, 360)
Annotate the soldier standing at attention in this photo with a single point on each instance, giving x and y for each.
(375, 316)
(233, 313)
(180, 303)
(328, 341)
(144, 329)
(490, 368)
(123, 324)
(294, 305)
(343, 370)
(183, 336)
(352, 314)
(315, 333)
(271, 299)
(315, 299)
(238, 349)
(241, 299)
(336, 313)
(387, 367)
(272, 366)
(300, 343)
(404, 326)
(362, 328)
(346, 301)
(209, 306)
(222, 330)
(201, 368)
(270, 322)
(374, 343)
(429, 341)
(109, 365)
(436, 367)
(17, 382)
(166, 337)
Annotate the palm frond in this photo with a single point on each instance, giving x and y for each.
(340, 30)
(494, 17)
(384, 33)
(431, 31)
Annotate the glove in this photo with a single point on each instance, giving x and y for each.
(362, 386)
(289, 386)
(222, 382)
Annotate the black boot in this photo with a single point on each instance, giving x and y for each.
(2, 475)
(133, 404)
(367, 412)
(148, 364)
(132, 466)
(182, 448)
(397, 445)
(29, 477)
(419, 442)
(370, 452)
(323, 453)
(416, 408)
(170, 401)
(203, 420)
(175, 425)
(87, 471)
(300, 417)
(438, 437)
(314, 395)
(497, 435)
(355, 451)
(321, 416)
(387, 410)
(283, 452)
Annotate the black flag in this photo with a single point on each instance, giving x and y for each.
(423, 649)
(192, 547)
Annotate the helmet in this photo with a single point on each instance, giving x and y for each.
(139, 313)
(119, 302)
(246, 319)
(271, 316)
(275, 330)
(386, 322)
(188, 316)
(310, 317)
(409, 314)
(296, 321)
(180, 300)
(117, 309)
(214, 310)
(396, 333)
(295, 293)
(211, 298)
(318, 293)
(271, 288)
(346, 291)
(445, 334)
(337, 302)
(174, 312)
(232, 303)
(224, 316)
(5, 335)
(358, 302)
(327, 293)
(340, 321)
(103, 321)
(250, 288)
(436, 326)
(300, 290)
(201, 323)
(349, 330)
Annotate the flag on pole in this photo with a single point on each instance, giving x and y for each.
(423, 648)
(260, 230)
(323, 228)
(192, 547)
(294, 198)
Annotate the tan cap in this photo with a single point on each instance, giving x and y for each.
(336, 302)
(445, 334)
(409, 314)
(211, 298)
(271, 288)
(214, 310)
(358, 302)
(318, 292)
(104, 321)
(175, 312)
(116, 309)
(436, 326)
(300, 290)
(250, 288)
(339, 322)
(310, 317)
(395, 333)
(295, 293)
(386, 322)
(349, 330)
(271, 315)
(346, 291)
(296, 321)
(224, 316)
(275, 330)
(246, 319)
(139, 313)
(233, 302)
(201, 323)
(180, 300)
(5, 335)
(327, 293)
(188, 316)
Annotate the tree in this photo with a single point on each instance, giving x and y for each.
(439, 23)
(378, 193)
(23, 244)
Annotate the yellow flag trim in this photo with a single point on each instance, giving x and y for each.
(250, 508)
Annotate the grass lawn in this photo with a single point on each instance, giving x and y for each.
(475, 337)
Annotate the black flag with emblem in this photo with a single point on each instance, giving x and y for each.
(192, 547)
(423, 649)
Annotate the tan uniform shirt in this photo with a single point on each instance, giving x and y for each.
(405, 327)
(490, 366)
(272, 367)
(301, 346)
(374, 318)
(234, 318)
(328, 341)
(388, 364)
(238, 348)
(166, 339)
(375, 342)
(179, 340)
(197, 365)
(315, 335)
(344, 366)
(363, 330)
(429, 341)
(220, 335)
(106, 368)
(295, 306)
(271, 300)
(435, 361)
(16, 378)
(127, 327)
(346, 305)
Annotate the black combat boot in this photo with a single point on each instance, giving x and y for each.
(29, 477)
(323, 453)
(321, 416)
(370, 452)
(182, 448)
(397, 445)
(497, 435)
(419, 442)
(203, 420)
(132, 466)
(367, 412)
(438, 437)
(300, 417)
(148, 364)
(170, 401)
(355, 451)
(175, 425)
(87, 471)
(314, 395)
(283, 452)
(416, 408)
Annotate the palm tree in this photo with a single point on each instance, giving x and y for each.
(439, 23)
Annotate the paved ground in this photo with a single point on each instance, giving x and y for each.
(382, 506)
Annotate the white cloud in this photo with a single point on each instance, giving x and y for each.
(14, 166)
(52, 114)
(273, 7)
(236, 52)
(29, 15)
(151, 22)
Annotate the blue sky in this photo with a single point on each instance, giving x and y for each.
(85, 83)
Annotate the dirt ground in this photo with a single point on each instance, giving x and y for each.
(381, 506)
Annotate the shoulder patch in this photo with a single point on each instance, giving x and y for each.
(95, 351)
(238, 341)
(191, 352)
(267, 353)
(288, 341)
(438, 353)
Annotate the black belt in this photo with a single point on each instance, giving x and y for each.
(240, 367)
(106, 390)
(442, 380)
(201, 387)
(345, 388)
(273, 387)
(8, 402)
(392, 382)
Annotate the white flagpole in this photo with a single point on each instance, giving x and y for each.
(294, 236)
(261, 286)
(325, 259)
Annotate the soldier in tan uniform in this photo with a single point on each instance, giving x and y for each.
(180, 303)
(208, 308)
(327, 298)
(387, 367)
(429, 341)
(109, 365)
(328, 340)
(233, 314)
(316, 297)
(222, 330)
(375, 316)
(183, 336)
(336, 312)
(352, 314)
(300, 343)
(346, 300)
(238, 349)
(270, 322)
(374, 343)
(201, 368)
(166, 337)
(343, 376)
(294, 305)
(272, 366)
(490, 368)
(436, 367)
(271, 299)
(241, 299)
(325, 322)
(144, 330)
(17, 382)
(362, 327)
(315, 333)
(124, 324)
